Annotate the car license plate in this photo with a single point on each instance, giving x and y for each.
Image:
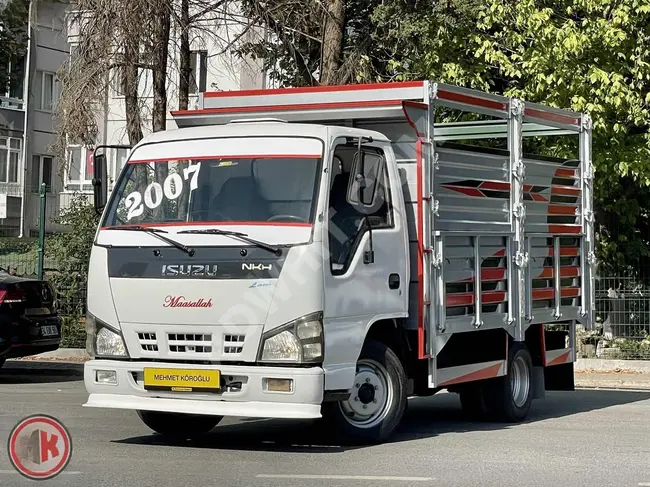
(182, 380)
(49, 331)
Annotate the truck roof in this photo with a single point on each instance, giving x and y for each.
(254, 127)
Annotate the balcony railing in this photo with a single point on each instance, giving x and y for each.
(12, 103)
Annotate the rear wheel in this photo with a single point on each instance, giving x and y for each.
(509, 397)
(179, 426)
(377, 400)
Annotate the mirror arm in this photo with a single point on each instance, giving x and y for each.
(369, 255)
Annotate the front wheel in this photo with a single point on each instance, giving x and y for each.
(377, 399)
(179, 426)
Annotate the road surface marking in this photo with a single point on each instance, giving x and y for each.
(15, 472)
(644, 484)
(343, 477)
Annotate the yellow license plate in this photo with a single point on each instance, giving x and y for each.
(182, 380)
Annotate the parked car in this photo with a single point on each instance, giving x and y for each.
(29, 320)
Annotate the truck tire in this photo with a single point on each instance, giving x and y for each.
(509, 397)
(179, 426)
(377, 401)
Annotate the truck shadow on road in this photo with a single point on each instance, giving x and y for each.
(39, 372)
(425, 418)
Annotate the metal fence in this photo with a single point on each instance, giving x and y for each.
(20, 255)
(622, 318)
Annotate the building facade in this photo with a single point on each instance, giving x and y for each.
(27, 113)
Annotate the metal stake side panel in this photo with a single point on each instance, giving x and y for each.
(587, 307)
(519, 257)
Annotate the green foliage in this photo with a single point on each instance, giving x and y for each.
(71, 250)
(73, 334)
(13, 19)
(591, 56)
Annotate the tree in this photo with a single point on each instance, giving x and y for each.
(588, 56)
(310, 42)
(13, 32)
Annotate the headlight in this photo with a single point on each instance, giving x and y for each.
(300, 341)
(102, 340)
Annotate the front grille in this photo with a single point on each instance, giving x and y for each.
(148, 342)
(189, 343)
(233, 344)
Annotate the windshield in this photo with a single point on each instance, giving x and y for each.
(216, 189)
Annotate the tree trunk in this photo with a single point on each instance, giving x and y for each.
(130, 90)
(161, 20)
(332, 41)
(184, 89)
(160, 55)
(185, 68)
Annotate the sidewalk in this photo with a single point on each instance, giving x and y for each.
(612, 380)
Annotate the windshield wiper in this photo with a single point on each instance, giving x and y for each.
(244, 236)
(156, 233)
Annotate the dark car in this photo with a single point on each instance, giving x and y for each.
(29, 319)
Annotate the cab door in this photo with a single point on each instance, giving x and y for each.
(366, 246)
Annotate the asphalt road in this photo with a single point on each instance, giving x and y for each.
(582, 438)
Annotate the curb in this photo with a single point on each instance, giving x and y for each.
(62, 354)
(604, 365)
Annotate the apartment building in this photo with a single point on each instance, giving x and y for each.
(26, 115)
(26, 124)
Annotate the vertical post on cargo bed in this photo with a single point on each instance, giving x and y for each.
(529, 285)
(518, 256)
(587, 253)
(557, 290)
(435, 244)
(478, 301)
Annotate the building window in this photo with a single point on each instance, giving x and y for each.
(117, 81)
(11, 96)
(120, 159)
(41, 173)
(9, 159)
(199, 71)
(47, 91)
(79, 169)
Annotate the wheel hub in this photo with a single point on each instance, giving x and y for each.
(366, 393)
(370, 396)
(520, 382)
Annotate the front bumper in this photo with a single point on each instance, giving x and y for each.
(246, 400)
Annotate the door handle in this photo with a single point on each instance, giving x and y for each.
(393, 281)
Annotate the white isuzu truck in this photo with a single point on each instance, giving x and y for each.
(330, 252)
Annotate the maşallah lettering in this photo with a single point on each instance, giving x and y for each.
(183, 302)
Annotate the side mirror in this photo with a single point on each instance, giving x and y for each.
(100, 181)
(365, 173)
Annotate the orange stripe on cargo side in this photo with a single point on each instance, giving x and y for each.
(562, 359)
(562, 210)
(486, 373)
(565, 191)
(565, 172)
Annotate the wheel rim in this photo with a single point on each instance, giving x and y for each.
(519, 381)
(370, 397)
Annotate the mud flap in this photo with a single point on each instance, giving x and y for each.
(538, 387)
(559, 377)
